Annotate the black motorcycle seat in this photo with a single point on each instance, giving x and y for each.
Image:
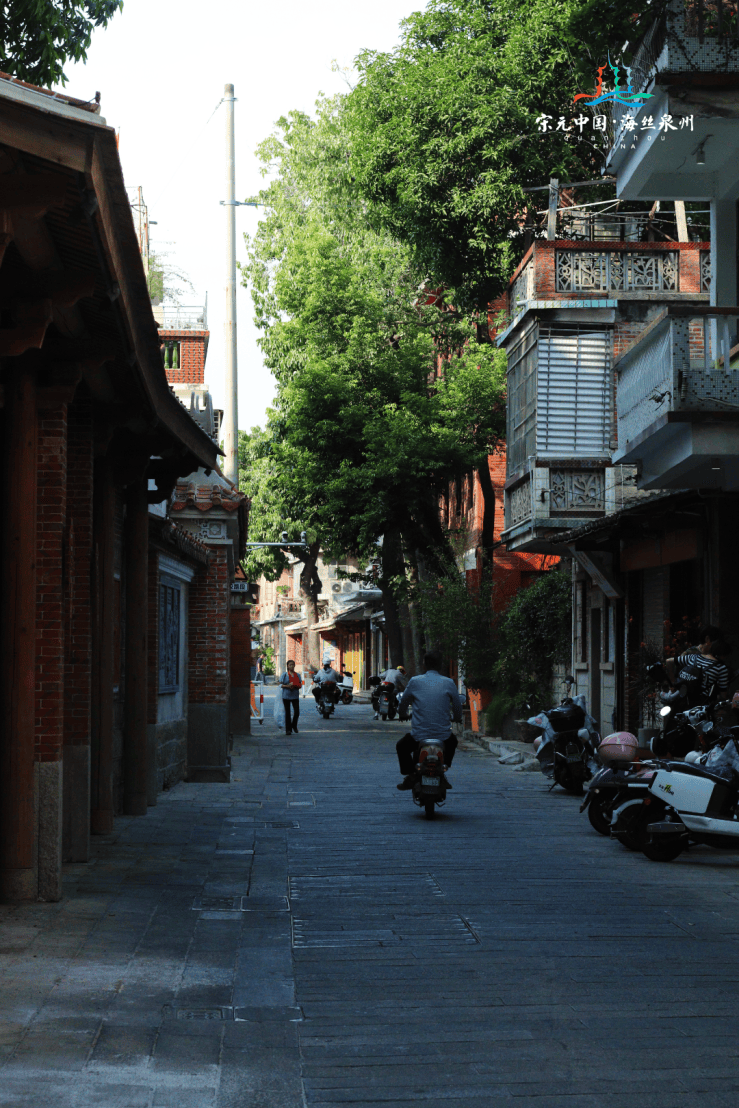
(698, 771)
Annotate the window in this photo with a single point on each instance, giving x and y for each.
(521, 411)
(171, 354)
(169, 638)
(573, 394)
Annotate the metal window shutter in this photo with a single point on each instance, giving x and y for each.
(573, 407)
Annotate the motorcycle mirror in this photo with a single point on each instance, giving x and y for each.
(666, 711)
(569, 679)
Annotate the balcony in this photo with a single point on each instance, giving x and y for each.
(181, 317)
(688, 62)
(560, 274)
(677, 399)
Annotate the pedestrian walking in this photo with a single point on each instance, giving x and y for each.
(291, 685)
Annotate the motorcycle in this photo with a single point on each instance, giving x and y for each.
(430, 785)
(326, 697)
(569, 742)
(693, 802)
(384, 698)
(346, 688)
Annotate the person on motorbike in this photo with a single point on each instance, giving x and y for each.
(432, 696)
(700, 669)
(397, 678)
(325, 674)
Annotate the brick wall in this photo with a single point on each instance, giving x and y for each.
(240, 647)
(193, 349)
(51, 525)
(152, 685)
(210, 611)
(77, 687)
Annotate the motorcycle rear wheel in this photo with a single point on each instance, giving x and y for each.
(391, 713)
(567, 780)
(600, 821)
(429, 809)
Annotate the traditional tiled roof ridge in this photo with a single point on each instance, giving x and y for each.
(204, 496)
(86, 105)
(182, 540)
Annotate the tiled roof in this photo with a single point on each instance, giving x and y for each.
(170, 534)
(86, 105)
(205, 494)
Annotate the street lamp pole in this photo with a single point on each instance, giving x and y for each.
(231, 406)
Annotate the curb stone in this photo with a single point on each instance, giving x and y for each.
(519, 756)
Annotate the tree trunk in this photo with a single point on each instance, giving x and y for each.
(310, 587)
(487, 538)
(414, 651)
(392, 566)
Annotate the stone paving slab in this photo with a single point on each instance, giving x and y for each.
(363, 956)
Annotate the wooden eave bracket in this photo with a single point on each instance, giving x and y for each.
(32, 194)
(598, 575)
(33, 318)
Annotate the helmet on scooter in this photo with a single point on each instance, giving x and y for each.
(621, 746)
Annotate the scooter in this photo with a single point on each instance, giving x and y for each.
(569, 742)
(430, 785)
(326, 697)
(690, 802)
(346, 687)
(384, 697)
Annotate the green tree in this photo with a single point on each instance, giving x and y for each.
(40, 36)
(444, 135)
(363, 436)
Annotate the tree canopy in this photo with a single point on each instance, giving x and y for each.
(40, 36)
(383, 393)
(444, 131)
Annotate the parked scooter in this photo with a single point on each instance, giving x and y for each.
(693, 802)
(569, 742)
(617, 788)
(346, 687)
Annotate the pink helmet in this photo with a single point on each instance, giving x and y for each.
(621, 746)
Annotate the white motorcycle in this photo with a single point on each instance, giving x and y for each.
(693, 802)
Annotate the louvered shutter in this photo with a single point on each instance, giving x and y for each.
(573, 395)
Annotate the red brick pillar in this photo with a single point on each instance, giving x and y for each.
(76, 844)
(208, 730)
(103, 651)
(240, 668)
(135, 745)
(50, 667)
(18, 877)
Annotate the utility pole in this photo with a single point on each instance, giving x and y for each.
(231, 412)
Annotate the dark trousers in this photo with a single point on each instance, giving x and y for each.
(407, 749)
(295, 713)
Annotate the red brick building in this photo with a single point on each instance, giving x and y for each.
(92, 434)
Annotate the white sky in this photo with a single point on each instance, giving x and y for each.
(160, 67)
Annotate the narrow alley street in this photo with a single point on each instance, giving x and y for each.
(303, 938)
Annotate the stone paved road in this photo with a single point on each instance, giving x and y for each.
(503, 954)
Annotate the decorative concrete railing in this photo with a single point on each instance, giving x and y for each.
(554, 492)
(688, 36)
(181, 317)
(522, 288)
(614, 270)
(681, 363)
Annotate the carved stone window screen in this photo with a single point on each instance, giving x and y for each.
(573, 490)
(518, 504)
(613, 270)
(705, 270)
(169, 638)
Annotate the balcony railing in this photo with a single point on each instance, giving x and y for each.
(688, 36)
(181, 317)
(612, 270)
(556, 492)
(681, 364)
(522, 288)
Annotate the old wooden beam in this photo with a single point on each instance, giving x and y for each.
(103, 652)
(18, 876)
(135, 735)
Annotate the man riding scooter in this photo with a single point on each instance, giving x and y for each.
(326, 676)
(432, 697)
(396, 678)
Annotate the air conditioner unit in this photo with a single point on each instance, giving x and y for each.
(349, 586)
(336, 587)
